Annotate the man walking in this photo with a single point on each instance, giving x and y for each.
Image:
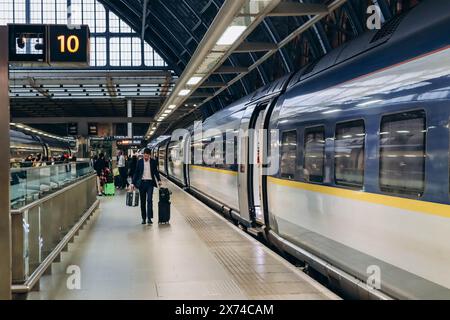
(145, 179)
(121, 164)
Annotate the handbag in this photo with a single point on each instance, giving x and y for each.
(132, 198)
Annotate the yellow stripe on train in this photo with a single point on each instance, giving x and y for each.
(233, 173)
(442, 210)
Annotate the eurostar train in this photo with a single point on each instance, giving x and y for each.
(362, 191)
(24, 144)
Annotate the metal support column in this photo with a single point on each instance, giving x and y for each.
(5, 215)
(130, 115)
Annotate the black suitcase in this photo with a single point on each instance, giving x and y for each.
(164, 206)
(132, 198)
(164, 194)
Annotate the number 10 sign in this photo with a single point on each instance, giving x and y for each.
(68, 45)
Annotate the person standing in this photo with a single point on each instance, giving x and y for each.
(121, 164)
(146, 178)
(132, 167)
(99, 167)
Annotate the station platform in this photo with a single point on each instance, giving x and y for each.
(200, 255)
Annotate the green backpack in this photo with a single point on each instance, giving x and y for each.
(110, 189)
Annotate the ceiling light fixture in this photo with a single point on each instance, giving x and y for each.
(231, 35)
(194, 81)
(184, 93)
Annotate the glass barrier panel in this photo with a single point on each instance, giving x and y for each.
(30, 184)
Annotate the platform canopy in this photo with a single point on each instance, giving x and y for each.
(207, 53)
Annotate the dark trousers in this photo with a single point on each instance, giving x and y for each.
(123, 177)
(146, 195)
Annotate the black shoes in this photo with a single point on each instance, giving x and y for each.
(143, 221)
(150, 221)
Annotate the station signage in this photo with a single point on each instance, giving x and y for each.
(68, 45)
(129, 142)
(53, 45)
(93, 129)
(72, 129)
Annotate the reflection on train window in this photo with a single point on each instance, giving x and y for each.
(349, 154)
(289, 154)
(314, 154)
(196, 152)
(402, 153)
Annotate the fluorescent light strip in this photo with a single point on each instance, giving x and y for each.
(184, 93)
(231, 35)
(194, 81)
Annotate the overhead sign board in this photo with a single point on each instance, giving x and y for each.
(72, 129)
(93, 129)
(27, 43)
(53, 45)
(68, 45)
(129, 143)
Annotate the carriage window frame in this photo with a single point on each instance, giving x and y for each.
(350, 124)
(404, 192)
(308, 130)
(289, 175)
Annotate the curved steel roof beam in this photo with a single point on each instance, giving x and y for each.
(273, 33)
(301, 29)
(120, 12)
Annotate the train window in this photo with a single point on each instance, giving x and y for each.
(349, 154)
(289, 154)
(402, 153)
(314, 154)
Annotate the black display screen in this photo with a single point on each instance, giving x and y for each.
(93, 129)
(72, 129)
(27, 43)
(69, 45)
(49, 44)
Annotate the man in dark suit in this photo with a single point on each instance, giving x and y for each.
(146, 177)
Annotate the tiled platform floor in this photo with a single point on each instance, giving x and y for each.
(198, 256)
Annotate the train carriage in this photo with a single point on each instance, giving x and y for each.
(362, 186)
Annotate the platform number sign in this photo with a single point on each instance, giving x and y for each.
(69, 45)
(49, 44)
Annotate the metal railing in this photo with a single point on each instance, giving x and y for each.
(55, 205)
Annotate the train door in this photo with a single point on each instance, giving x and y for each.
(250, 164)
(256, 164)
(187, 158)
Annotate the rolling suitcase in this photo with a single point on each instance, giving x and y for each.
(132, 198)
(164, 206)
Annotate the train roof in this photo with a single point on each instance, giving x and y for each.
(236, 109)
(22, 137)
(377, 66)
(402, 28)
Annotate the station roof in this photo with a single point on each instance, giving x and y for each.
(281, 37)
(287, 36)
